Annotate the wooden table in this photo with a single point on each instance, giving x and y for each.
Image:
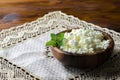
(105, 13)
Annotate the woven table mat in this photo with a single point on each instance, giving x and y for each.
(25, 46)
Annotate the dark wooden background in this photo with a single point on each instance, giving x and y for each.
(105, 13)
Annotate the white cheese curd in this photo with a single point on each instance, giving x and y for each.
(83, 41)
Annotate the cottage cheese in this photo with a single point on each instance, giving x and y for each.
(84, 41)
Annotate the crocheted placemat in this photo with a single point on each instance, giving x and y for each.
(32, 54)
(10, 71)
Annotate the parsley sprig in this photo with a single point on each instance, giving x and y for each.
(56, 40)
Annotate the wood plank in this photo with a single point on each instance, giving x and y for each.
(100, 12)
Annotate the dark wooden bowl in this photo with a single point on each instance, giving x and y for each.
(90, 60)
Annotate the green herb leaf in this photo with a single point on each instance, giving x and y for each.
(51, 43)
(56, 40)
(60, 36)
(59, 43)
(53, 36)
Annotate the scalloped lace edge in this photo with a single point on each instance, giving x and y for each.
(52, 20)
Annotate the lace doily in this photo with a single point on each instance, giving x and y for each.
(10, 71)
(32, 54)
(14, 35)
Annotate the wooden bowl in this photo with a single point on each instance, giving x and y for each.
(90, 60)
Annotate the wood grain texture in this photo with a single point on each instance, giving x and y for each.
(105, 13)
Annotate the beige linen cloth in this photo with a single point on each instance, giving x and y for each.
(25, 46)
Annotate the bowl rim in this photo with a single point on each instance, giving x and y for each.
(107, 36)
